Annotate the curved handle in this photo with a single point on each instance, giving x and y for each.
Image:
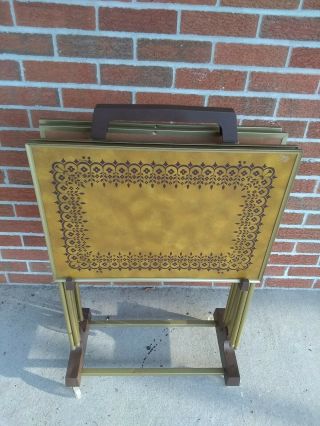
(103, 115)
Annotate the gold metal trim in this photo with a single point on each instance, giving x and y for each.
(152, 323)
(150, 371)
(280, 213)
(41, 208)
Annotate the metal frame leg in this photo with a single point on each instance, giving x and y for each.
(228, 322)
(66, 315)
(77, 324)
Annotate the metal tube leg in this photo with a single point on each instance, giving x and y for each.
(78, 302)
(244, 314)
(238, 316)
(231, 296)
(233, 308)
(66, 315)
(73, 316)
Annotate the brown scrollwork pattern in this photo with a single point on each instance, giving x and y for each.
(71, 177)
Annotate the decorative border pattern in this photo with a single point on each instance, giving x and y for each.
(71, 177)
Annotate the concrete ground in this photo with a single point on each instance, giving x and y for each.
(278, 359)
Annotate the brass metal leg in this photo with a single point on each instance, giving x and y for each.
(72, 309)
(235, 325)
(78, 302)
(66, 315)
(244, 314)
(227, 312)
(234, 308)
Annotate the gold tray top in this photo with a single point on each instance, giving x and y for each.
(160, 212)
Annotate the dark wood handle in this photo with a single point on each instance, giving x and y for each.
(226, 118)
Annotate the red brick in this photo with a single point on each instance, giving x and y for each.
(225, 24)
(17, 138)
(20, 177)
(309, 169)
(304, 57)
(317, 284)
(22, 254)
(250, 54)
(10, 240)
(5, 14)
(57, 115)
(27, 211)
(142, 20)
(14, 118)
(174, 50)
(1, 177)
(95, 47)
(9, 70)
(303, 203)
(277, 271)
(6, 210)
(311, 4)
(138, 283)
(313, 219)
(29, 96)
(280, 246)
(264, 4)
(244, 105)
(304, 272)
(33, 240)
(292, 218)
(13, 266)
(201, 78)
(169, 99)
(314, 130)
(17, 194)
(299, 108)
(309, 247)
(293, 128)
(288, 283)
(221, 284)
(29, 227)
(286, 259)
(291, 83)
(99, 283)
(30, 278)
(13, 158)
(136, 75)
(26, 44)
(3, 279)
(55, 15)
(40, 266)
(298, 234)
(89, 98)
(197, 2)
(188, 283)
(310, 150)
(303, 185)
(69, 72)
(290, 28)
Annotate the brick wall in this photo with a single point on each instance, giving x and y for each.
(60, 58)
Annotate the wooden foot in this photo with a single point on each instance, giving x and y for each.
(76, 358)
(227, 353)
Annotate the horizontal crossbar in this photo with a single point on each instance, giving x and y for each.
(152, 323)
(150, 371)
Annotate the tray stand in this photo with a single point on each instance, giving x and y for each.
(228, 323)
